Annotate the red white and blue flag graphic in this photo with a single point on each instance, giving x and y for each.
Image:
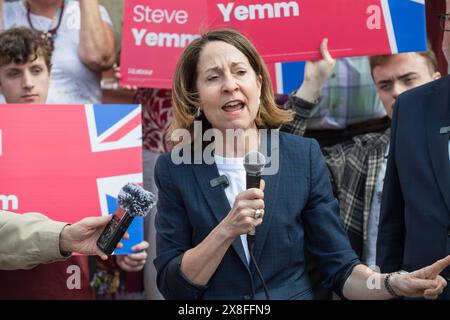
(70, 161)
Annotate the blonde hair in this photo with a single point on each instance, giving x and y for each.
(185, 98)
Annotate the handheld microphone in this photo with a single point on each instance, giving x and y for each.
(254, 162)
(133, 201)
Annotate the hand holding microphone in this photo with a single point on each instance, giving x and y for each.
(133, 201)
(254, 163)
(81, 237)
(248, 208)
(241, 219)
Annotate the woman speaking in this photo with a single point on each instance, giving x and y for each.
(222, 84)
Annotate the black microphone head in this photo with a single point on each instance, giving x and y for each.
(254, 162)
(135, 201)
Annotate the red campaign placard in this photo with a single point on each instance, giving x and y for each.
(293, 30)
(68, 161)
(155, 33)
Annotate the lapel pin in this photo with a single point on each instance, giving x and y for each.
(445, 130)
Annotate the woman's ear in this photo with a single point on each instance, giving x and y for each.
(436, 75)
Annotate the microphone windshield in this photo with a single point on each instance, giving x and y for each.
(135, 201)
(254, 162)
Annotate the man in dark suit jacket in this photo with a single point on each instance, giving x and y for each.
(414, 228)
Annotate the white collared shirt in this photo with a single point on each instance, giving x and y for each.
(233, 169)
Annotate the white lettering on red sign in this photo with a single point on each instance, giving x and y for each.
(163, 39)
(9, 202)
(259, 11)
(147, 14)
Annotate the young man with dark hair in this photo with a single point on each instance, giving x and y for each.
(24, 66)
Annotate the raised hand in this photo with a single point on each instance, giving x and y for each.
(425, 282)
(320, 70)
(316, 74)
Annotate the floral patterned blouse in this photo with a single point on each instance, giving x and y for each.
(156, 117)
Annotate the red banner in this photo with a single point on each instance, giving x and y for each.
(293, 30)
(69, 162)
(156, 31)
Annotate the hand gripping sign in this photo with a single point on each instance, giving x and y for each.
(155, 33)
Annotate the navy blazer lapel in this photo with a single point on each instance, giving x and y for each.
(216, 199)
(438, 143)
(272, 152)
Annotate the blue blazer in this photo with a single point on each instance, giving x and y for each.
(415, 214)
(300, 213)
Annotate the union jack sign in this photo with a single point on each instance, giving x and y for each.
(70, 161)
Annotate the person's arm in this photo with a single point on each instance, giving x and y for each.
(28, 240)
(200, 262)
(325, 237)
(328, 242)
(316, 74)
(31, 239)
(97, 42)
(304, 100)
(366, 284)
